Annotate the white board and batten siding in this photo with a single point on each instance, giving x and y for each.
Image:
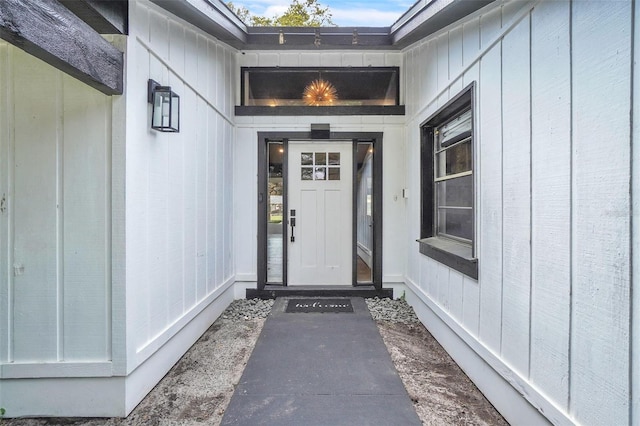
(90, 189)
(392, 127)
(179, 186)
(55, 179)
(551, 309)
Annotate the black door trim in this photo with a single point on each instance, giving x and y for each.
(263, 140)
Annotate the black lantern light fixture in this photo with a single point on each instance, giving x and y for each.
(165, 112)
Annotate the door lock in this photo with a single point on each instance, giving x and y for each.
(292, 222)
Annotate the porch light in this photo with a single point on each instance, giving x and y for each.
(165, 115)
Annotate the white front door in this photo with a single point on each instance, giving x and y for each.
(320, 208)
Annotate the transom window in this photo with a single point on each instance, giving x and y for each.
(320, 87)
(447, 187)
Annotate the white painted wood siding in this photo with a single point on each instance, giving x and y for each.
(552, 303)
(179, 187)
(394, 246)
(55, 177)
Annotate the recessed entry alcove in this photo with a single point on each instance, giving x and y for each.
(319, 210)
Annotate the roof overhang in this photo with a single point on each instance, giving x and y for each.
(212, 17)
(424, 18)
(429, 16)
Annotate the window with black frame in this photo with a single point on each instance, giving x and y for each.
(447, 228)
(320, 90)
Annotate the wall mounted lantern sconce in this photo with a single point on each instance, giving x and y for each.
(165, 112)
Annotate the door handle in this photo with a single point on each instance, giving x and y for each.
(292, 222)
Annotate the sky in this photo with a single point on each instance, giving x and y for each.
(345, 13)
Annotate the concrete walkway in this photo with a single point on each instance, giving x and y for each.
(320, 369)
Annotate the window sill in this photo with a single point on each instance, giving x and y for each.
(451, 253)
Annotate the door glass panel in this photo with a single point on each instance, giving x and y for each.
(275, 225)
(334, 158)
(334, 173)
(321, 158)
(318, 169)
(321, 173)
(364, 214)
(306, 173)
(306, 158)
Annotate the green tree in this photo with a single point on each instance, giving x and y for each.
(300, 13)
(240, 11)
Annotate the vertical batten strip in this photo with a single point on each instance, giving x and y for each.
(634, 249)
(108, 240)
(572, 250)
(10, 101)
(59, 123)
(500, 331)
(531, 224)
(6, 247)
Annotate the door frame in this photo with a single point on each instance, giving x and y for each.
(375, 138)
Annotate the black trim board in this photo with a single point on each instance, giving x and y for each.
(261, 259)
(51, 32)
(275, 291)
(322, 38)
(294, 111)
(440, 251)
(460, 257)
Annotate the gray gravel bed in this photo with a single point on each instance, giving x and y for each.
(382, 309)
(247, 309)
(385, 309)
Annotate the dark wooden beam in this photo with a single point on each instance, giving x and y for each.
(104, 16)
(49, 31)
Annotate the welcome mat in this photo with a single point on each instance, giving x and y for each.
(319, 305)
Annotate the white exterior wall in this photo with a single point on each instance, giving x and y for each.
(246, 155)
(120, 235)
(179, 199)
(55, 224)
(551, 310)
